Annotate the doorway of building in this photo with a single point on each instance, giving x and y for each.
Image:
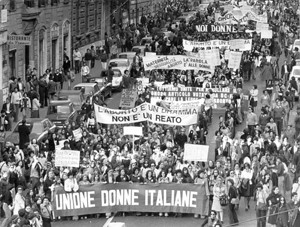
(54, 44)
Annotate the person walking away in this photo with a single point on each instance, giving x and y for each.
(88, 58)
(110, 74)
(93, 58)
(77, 59)
(71, 78)
(233, 200)
(7, 107)
(51, 89)
(285, 71)
(66, 67)
(25, 105)
(42, 90)
(16, 98)
(24, 133)
(261, 205)
(103, 58)
(85, 72)
(35, 112)
(278, 115)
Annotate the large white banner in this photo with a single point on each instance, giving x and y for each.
(245, 44)
(176, 62)
(146, 112)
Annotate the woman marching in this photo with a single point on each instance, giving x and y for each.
(219, 191)
(233, 200)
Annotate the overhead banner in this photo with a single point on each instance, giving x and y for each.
(176, 62)
(221, 95)
(242, 44)
(125, 197)
(128, 98)
(182, 105)
(146, 112)
(213, 28)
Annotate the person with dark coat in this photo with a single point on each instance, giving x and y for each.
(43, 91)
(285, 71)
(181, 138)
(24, 133)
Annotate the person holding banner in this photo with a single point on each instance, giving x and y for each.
(204, 192)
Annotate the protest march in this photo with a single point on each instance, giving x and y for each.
(207, 124)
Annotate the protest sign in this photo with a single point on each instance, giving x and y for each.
(221, 95)
(77, 133)
(235, 60)
(125, 197)
(195, 152)
(240, 44)
(182, 105)
(67, 158)
(227, 54)
(128, 98)
(228, 18)
(133, 130)
(213, 28)
(146, 112)
(266, 34)
(176, 62)
(261, 26)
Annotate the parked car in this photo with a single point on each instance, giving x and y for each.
(127, 55)
(95, 89)
(39, 129)
(119, 66)
(61, 111)
(296, 44)
(139, 49)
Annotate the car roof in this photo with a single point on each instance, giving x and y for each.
(140, 47)
(296, 67)
(86, 84)
(128, 53)
(60, 102)
(119, 59)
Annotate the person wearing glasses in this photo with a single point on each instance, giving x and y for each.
(212, 220)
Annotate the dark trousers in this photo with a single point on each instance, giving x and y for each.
(279, 123)
(77, 66)
(35, 181)
(92, 62)
(42, 98)
(233, 219)
(261, 218)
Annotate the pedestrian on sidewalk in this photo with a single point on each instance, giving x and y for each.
(85, 72)
(77, 60)
(88, 57)
(103, 58)
(93, 58)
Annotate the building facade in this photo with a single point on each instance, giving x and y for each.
(90, 20)
(48, 23)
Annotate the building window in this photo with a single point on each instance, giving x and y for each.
(29, 3)
(42, 3)
(96, 14)
(77, 19)
(54, 2)
(12, 5)
(87, 15)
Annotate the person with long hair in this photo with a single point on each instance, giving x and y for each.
(272, 201)
(233, 198)
(203, 192)
(261, 205)
(282, 210)
(246, 188)
(218, 191)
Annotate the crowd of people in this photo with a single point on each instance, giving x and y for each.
(262, 163)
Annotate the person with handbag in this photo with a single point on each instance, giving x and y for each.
(246, 187)
(46, 212)
(233, 200)
(219, 199)
(261, 206)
